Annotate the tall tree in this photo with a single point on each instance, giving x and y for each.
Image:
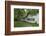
(19, 13)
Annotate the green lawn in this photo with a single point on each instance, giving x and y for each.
(24, 24)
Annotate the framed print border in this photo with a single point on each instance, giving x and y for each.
(8, 16)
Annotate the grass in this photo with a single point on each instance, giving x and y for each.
(24, 24)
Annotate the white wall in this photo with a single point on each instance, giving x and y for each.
(2, 18)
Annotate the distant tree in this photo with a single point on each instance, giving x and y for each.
(32, 12)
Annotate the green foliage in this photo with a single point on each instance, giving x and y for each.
(21, 13)
(33, 11)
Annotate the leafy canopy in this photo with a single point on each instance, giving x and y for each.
(21, 13)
